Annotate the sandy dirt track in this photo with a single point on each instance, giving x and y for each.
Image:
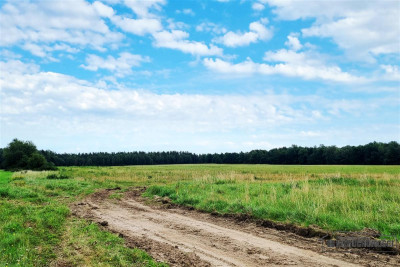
(189, 238)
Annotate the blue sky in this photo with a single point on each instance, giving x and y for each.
(199, 76)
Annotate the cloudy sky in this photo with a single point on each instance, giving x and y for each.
(199, 76)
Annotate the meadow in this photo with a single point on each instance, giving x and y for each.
(37, 229)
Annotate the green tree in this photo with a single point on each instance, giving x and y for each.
(36, 161)
(22, 155)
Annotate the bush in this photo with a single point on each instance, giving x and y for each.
(21, 155)
(55, 176)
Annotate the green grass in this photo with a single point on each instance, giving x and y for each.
(332, 204)
(333, 197)
(36, 228)
(84, 244)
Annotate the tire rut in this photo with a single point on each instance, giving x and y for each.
(196, 241)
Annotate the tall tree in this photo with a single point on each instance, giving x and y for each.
(24, 155)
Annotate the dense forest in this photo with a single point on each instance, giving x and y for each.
(372, 153)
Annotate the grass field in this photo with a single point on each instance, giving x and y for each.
(37, 229)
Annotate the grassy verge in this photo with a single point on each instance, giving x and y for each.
(36, 228)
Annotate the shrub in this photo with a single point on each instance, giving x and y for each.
(55, 176)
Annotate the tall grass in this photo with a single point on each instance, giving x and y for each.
(336, 204)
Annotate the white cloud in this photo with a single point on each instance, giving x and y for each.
(392, 72)
(147, 22)
(176, 25)
(103, 10)
(259, 28)
(61, 112)
(31, 93)
(137, 26)
(210, 27)
(293, 42)
(35, 49)
(219, 65)
(232, 39)
(44, 51)
(121, 66)
(364, 29)
(257, 6)
(48, 22)
(304, 65)
(177, 39)
(257, 32)
(16, 66)
(64, 106)
(186, 11)
(7, 54)
(142, 8)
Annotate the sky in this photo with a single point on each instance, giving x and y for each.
(199, 76)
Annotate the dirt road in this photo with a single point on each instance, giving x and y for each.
(189, 238)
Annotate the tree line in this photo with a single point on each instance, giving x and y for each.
(374, 153)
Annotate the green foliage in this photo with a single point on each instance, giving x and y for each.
(36, 161)
(23, 155)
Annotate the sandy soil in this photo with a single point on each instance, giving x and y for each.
(185, 237)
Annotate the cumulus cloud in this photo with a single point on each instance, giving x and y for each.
(137, 26)
(290, 63)
(103, 10)
(257, 32)
(121, 66)
(146, 21)
(293, 42)
(18, 67)
(259, 5)
(48, 22)
(363, 29)
(177, 39)
(142, 8)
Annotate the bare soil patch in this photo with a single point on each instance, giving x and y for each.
(186, 237)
